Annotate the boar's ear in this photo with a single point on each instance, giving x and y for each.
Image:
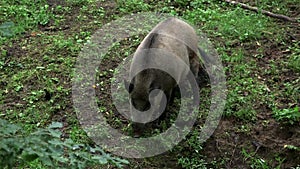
(150, 41)
(128, 86)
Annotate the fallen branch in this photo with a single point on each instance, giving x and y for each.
(278, 16)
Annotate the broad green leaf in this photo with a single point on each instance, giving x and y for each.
(55, 133)
(100, 159)
(55, 125)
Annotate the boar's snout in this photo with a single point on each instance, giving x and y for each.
(140, 104)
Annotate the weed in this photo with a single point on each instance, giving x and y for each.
(35, 67)
(92, 10)
(277, 6)
(193, 163)
(229, 24)
(132, 6)
(294, 59)
(290, 115)
(244, 90)
(79, 2)
(255, 162)
(244, 129)
(46, 146)
(194, 159)
(6, 29)
(292, 147)
(78, 135)
(24, 14)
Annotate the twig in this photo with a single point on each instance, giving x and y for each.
(278, 16)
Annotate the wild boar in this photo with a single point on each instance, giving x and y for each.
(173, 36)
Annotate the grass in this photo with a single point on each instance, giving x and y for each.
(257, 162)
(132, 6)
(24, 15)
(40, 42)
(291, 115)
(294, 60)
(229, 24)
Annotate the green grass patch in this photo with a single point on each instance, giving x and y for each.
(36, 68)
(257, 162)
(45, 148)
(24, 14)
(294, 59)
(244, 89)
(290, 115)
(132, 6)
(231, 23)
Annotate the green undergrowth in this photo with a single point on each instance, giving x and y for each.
(19, 16)
(40, 41)
(45, 149)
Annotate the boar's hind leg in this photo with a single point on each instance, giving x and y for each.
(194, 61)
(194, 64)
(197, 67)
(203, 77)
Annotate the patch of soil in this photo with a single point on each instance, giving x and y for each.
(55, 3)
(267, 139)
(14, 51)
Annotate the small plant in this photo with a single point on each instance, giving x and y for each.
(230, 24)
(46, 146)
(292, 147)
(193, 163)
(298, 167)
(256, 162)
(132, 6)
(294, 60)
(6, 29)
(194, 159)
(78, 2)
(290, 115)
(25, 13)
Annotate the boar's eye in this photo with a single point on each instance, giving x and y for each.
(128, 86)
(133, 103)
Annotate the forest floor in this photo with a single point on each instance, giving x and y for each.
(260, 126)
